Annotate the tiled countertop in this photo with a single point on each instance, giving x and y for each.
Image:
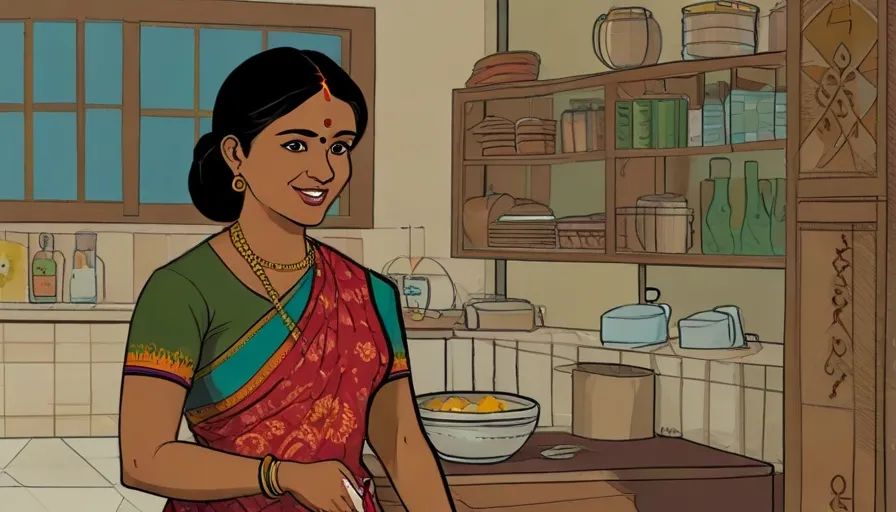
(759, 353)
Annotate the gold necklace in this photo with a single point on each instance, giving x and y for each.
(270, 265)
(242, 247)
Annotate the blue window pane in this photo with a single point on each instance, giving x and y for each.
(102, 63)
(205, 125)
(102, 155)
(166, 151)
(166, 67)
(331, 46)
(334, 208)
(55, 156)
(12, 62)
(12, 147)
(54, 62)
(220, 51)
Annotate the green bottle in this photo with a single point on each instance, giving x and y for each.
(778, 220)
(755, 235)
(717, 237)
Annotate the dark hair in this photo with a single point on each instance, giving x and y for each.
(259, 91)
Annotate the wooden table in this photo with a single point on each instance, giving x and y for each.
(664, 474)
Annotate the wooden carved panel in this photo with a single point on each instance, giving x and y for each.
(838, 88)
(838, 337)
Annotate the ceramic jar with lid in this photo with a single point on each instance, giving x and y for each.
(627, 37)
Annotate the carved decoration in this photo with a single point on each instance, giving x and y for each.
(840, 336)
(838, 88)
(840, 501)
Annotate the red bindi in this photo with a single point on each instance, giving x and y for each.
(327, 122)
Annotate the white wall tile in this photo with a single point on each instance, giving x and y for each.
(483, 365)
(506, 367)
(726, 420)
(667, 414)
(427, 363)
(459, 368)
(535, 376)
(561, 399)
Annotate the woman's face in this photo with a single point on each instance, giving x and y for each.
(299, 164)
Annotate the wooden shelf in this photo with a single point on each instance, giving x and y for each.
(556, 159)
(530, 176)
(763, 145)
(589, 256)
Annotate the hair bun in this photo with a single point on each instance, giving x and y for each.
(206, 144)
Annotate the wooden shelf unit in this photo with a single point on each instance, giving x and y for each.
(472, 172)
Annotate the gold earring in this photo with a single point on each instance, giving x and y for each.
(238, 184)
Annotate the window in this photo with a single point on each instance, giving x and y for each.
(99, 111)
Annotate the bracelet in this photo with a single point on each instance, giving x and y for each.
(274, 480)
(267, 473)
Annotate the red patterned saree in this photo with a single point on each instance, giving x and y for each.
(307, 401)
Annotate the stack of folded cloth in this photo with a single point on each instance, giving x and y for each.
(497, 136)
(536, 136)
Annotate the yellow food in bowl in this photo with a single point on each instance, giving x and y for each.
(487, 403)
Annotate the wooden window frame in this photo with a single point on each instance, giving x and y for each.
(355, 25)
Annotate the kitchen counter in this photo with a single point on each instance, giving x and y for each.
(659, 472)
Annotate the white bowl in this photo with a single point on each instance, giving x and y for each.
(479, 437)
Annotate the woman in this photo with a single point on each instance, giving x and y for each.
(283, 354)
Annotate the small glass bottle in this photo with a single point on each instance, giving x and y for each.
(43, 271)
(84, 279)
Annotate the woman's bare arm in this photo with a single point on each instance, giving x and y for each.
(152, 460)
(397, 438)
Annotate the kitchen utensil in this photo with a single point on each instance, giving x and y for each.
(635, 325)
(13, 272)
(720, 328)
(627, 37)
(737, 322)
(354, 494)
(719, 29)
(561, 452)
(479, 438)
(706, 330)
(612, 401)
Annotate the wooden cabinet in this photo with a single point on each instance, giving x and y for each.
(836, 286)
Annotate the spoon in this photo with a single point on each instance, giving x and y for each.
(561, 452)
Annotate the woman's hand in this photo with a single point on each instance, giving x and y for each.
(319, 486)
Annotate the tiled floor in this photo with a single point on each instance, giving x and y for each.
(66, 475)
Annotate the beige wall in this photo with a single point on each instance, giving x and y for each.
(576, 294)
(424, 50)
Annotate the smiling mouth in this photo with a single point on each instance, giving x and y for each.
(312, 196)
